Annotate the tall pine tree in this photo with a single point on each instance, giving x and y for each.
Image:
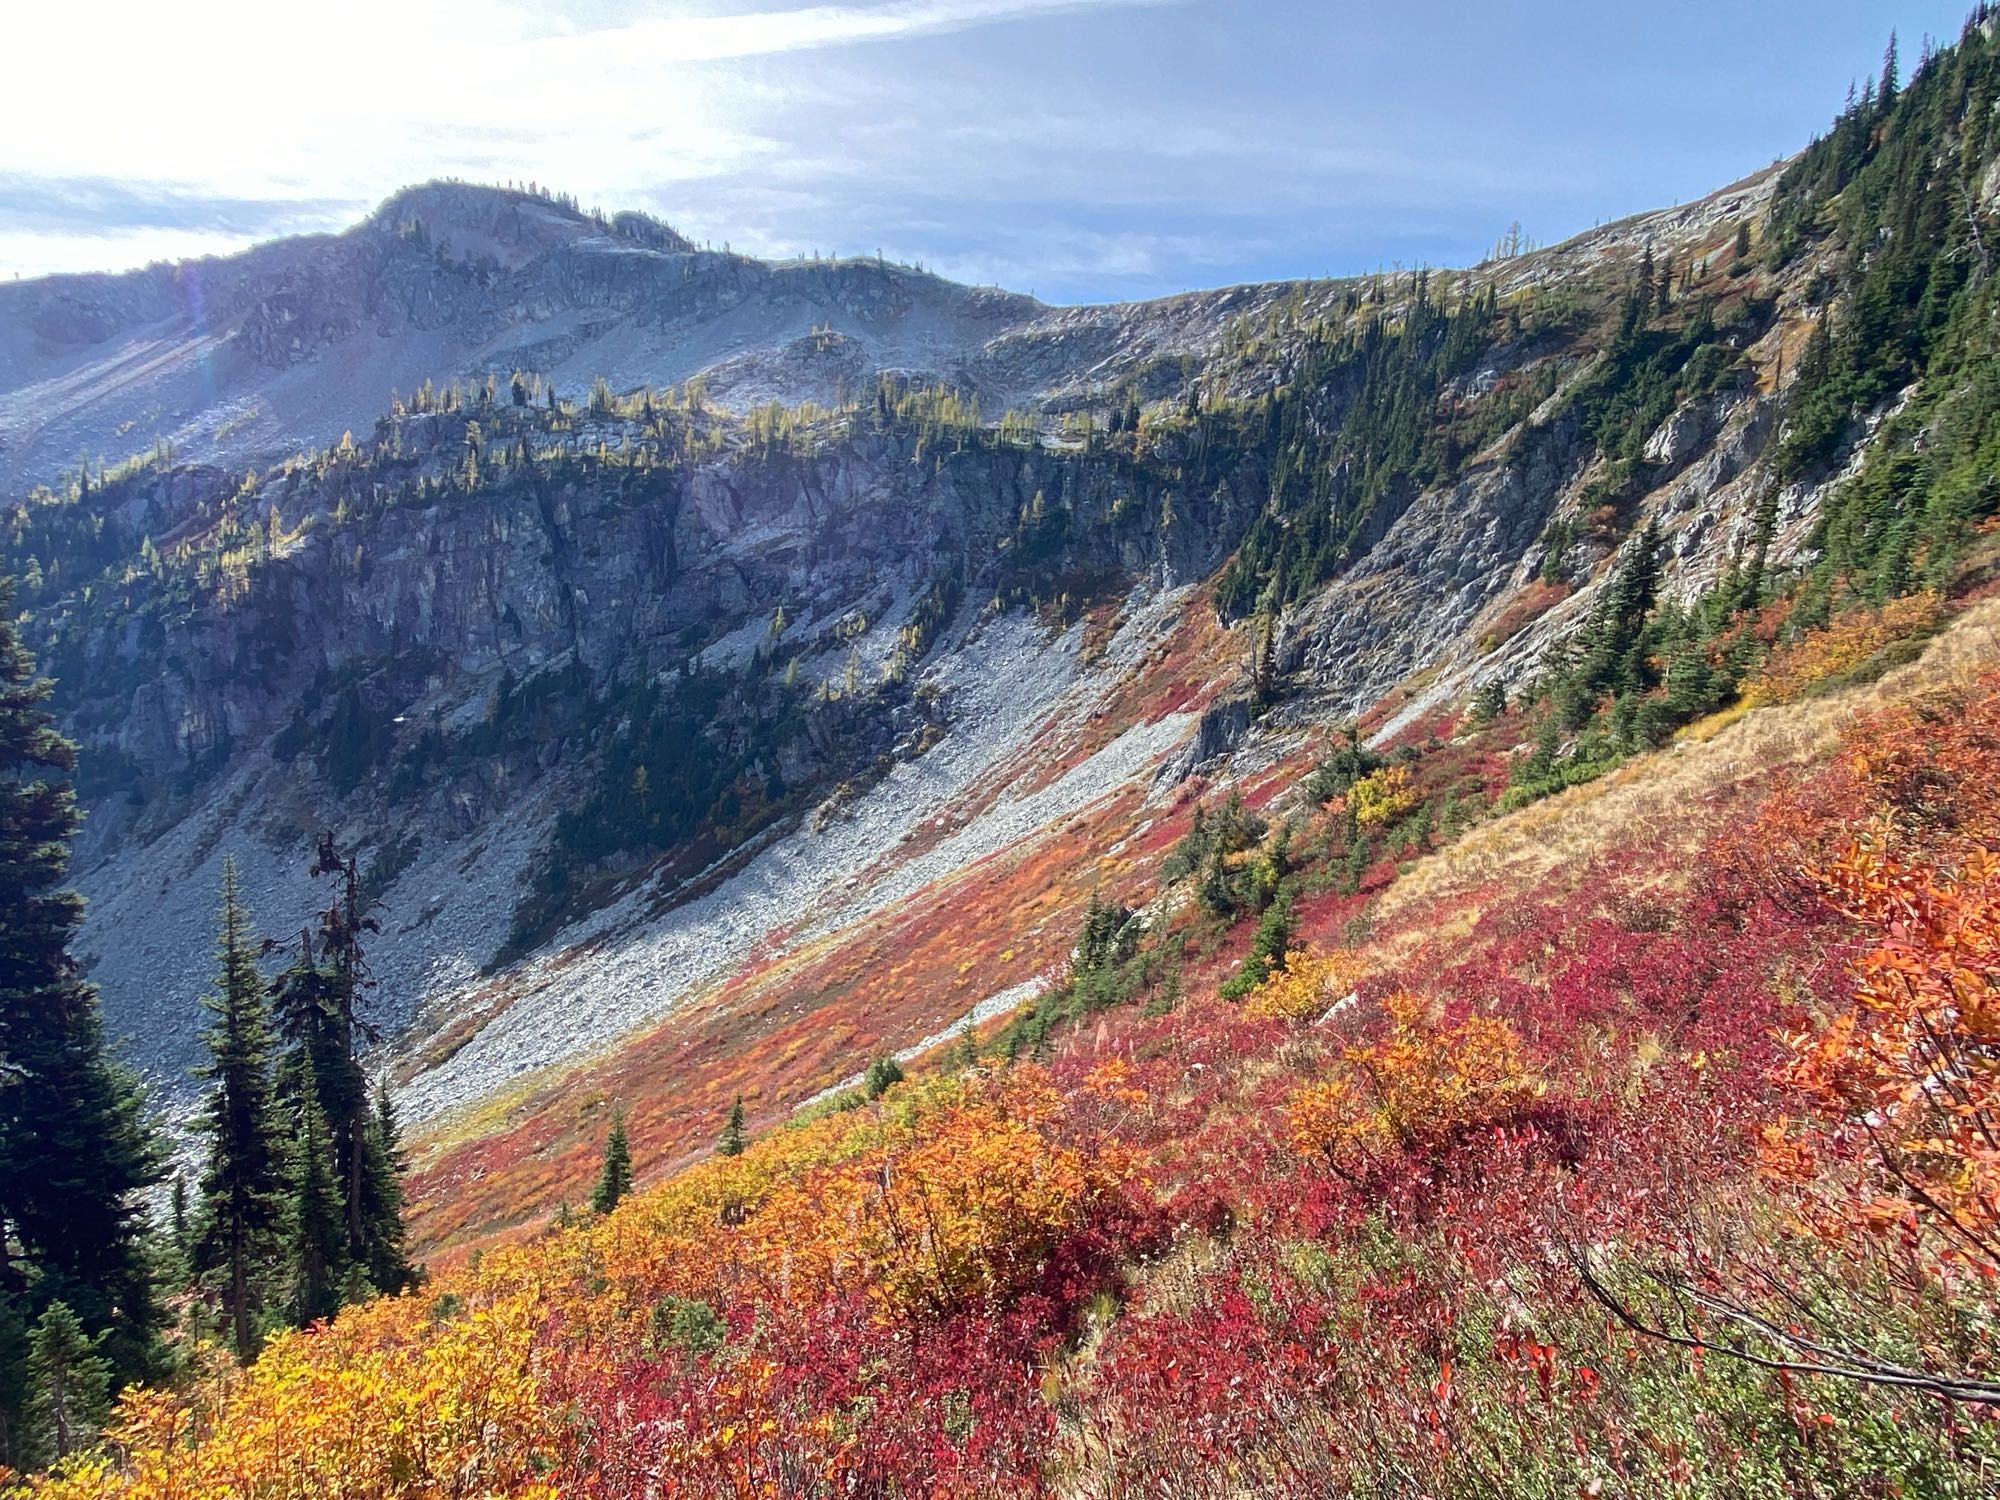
(318, 1005)
(75, 1149)
(243, 1185)
(733, 1138)
(319, 1259)
(387, 1261)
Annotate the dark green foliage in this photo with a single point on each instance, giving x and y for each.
(319, 1256)
(180, 1226)
(1348, 764)
(1610, 646)
(1273, 939)
(1893, 186)
(1355, 437)
(733, 1139)
(614, 1179)
(243, 1184)
(883, 1074)
(1103, 970)
(1107, 937)
(69, 1386)
(1644, 374)
(14, 1450)
(664, 778)
(74, 1147)
(1490, 702)
(357, 738)
(1891, 192)
(686, 1325)
(318, 1008)
(382, 1169)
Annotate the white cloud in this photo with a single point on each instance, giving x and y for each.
(776, 125)
(685, 39)
(26, 253)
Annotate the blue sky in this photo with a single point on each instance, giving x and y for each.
(1078, 149)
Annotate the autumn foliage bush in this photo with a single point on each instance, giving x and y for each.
(1834, 652)
(1550, 1209)
(1420, 1090)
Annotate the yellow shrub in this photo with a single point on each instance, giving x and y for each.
(1419, 1089)
(1382, 796)
(1304, 984)
(1835, 649)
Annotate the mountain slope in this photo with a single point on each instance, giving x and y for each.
(478, 620)
(663, 718)
(1429, 856)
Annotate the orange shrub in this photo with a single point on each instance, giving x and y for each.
(1420, 1089)
(947, 1193)
(1833, 650)
(1910, 1077)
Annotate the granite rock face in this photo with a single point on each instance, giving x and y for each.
(919, 592)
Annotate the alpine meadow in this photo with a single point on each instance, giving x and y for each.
(630, 869)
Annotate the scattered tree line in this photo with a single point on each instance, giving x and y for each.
(297, 1207)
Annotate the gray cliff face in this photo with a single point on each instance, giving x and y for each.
(446, 633)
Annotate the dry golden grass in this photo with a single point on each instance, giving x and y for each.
(1665, 798)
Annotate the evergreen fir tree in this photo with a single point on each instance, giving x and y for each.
(615, 1181)
(74, 1146)
(1612, 659)
(389, 1268)
(243, 1183)
(69, 1386)
(13, 1381)
(883, 1074)
(1490, 702)
(732, 1141)
(319, 1247)
(317, 1003)
(181, 1226)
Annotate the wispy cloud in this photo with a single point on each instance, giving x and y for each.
(1075, 147)
(716, 38)
(82, 206)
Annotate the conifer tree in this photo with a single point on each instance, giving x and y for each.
(732, 1141)
(387, 1260)
(74, 1147)
(1490, 702)
(243, 1183)
(180, 1225)
(615, 1181)
(69, 1386)
(13, 1382)
(317, 1003)
(1611, 658)
(319, 1247)
(883, 1074)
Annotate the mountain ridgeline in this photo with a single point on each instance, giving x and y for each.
(687, 623)
(1004, 814)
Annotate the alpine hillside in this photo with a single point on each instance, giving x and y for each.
(1424, 842)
